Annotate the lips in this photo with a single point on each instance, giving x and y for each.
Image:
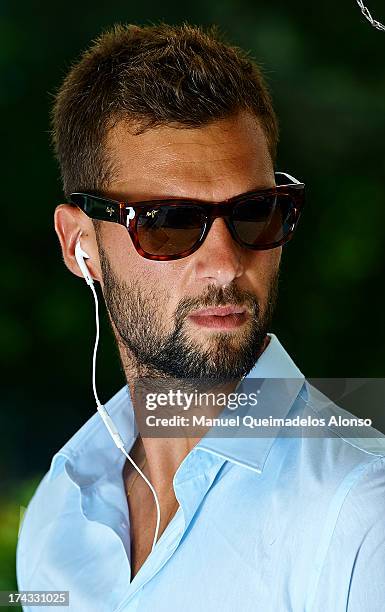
(221, 317)
(219, 311)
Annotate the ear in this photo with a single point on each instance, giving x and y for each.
(70, 223)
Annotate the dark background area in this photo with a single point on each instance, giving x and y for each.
(325, 67)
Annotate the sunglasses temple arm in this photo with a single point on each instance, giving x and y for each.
(288, 176)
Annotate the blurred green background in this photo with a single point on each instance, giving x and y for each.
(325, 67)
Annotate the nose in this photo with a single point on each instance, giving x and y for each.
(219, 260)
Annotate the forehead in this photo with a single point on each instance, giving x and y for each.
(212, 162)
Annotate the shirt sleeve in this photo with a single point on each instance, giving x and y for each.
(367, 582)
(352, 578)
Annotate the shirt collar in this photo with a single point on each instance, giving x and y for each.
(92, 448)
(282, 382)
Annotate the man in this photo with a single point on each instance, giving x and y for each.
(166, 140)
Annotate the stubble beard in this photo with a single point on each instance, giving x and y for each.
(148, 350)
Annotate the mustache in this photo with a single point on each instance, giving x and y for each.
(215, 296)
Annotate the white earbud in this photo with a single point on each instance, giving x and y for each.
(80, 256)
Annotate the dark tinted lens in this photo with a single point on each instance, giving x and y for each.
(264, 220)
(169, 230)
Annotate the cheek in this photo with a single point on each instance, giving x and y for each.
(119, 249)
(161, 279)
(127, 264)
(273, 259)
(263, 267)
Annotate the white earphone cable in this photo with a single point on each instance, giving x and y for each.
(109, 422)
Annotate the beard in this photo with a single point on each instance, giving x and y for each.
(136, 313)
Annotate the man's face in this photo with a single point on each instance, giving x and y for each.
(156, 307)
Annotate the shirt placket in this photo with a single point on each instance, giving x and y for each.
(192, 481)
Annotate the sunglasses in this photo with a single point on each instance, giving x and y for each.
(163, 230)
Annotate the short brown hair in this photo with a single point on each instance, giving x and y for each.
(152, 75)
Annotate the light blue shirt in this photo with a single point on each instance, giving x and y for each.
(265, 524)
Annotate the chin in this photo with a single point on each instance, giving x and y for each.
(208, 339)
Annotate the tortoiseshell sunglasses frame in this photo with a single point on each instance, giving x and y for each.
(127, 213)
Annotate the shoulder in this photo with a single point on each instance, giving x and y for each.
(332, 469)
(349, 462)
(354, 435)
(57, 495)
(350, 555)
(341, 475)
(57, 504)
